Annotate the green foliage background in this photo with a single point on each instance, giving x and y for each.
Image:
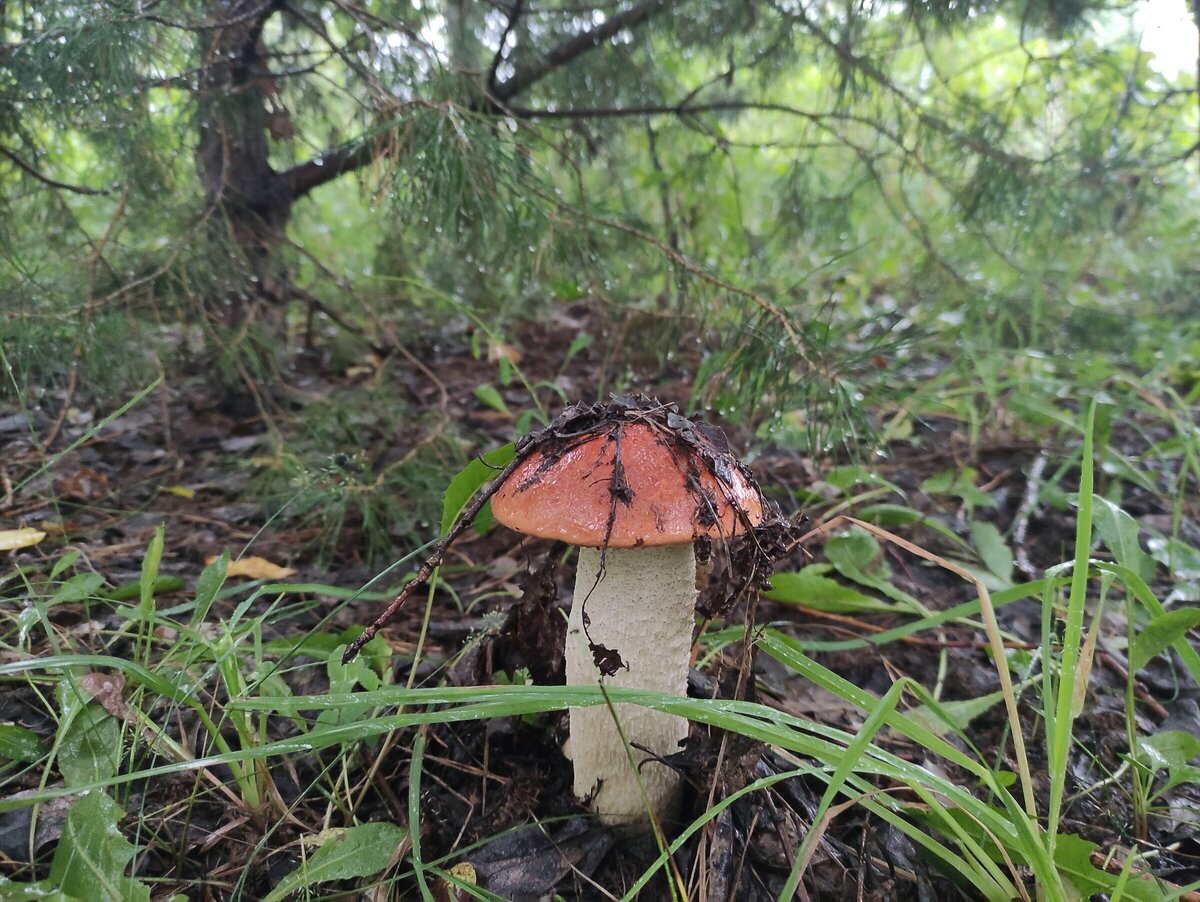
(796, 193)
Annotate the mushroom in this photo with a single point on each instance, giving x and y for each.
(634, 485)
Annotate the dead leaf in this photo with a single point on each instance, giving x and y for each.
(529, 862)
(108, 689)
(498, 350)
(85, 484)
(254, 567)
(25, 537)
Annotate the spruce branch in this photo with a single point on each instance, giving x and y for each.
(514, 15)
(235, 19)
(304, 178)
(530, 74)
(31, 170)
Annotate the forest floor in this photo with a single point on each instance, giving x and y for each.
(497, 792)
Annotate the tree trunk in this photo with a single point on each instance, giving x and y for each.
(248, 202)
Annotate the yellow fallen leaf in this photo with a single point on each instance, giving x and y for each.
(12, 539)
(255, 567)
(181, 490)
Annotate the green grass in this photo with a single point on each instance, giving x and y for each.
(209, 706)
(233, 681)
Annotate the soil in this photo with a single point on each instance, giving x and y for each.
(497, 794)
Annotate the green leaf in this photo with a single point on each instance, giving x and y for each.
(488, 394)
(810, 589)
(993, 550)
(11, 891)
(955, 715)
(471, 479)
(852, 549)
(889, 515)
(1180, 558)
(18, 743)
(150, 564)
(208, 585)
(77, 588)
(959, 484)
(89, 745)
(1168, 749)
(90, 751)
(846, 477)
(856, 550)
(92, 855)
(65, 562)
(1120, 534)
(580, 342)
(360, 851)
(1160, 633)
(1073, 855)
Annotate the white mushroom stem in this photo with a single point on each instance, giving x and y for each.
(644, 609)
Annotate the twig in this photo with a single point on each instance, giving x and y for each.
(1025, 511)
(513, 15)
(45, 179)
(435, 559)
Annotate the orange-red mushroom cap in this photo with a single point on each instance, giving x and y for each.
(666, 492)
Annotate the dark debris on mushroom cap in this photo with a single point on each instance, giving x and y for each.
(633, 472)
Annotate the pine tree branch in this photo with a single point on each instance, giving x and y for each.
(513, 15)
(303, 178)
(236, 19)
(29, 169)
(530, 74)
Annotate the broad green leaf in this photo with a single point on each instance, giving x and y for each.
(488, 394)
(1160, 633)
(1116, 464)
(1073, 855)
(470, 479)
(1120, 534)
(810, 589)
(93, 855)
(89, 744)
(360, 851)
(18, 743)
(12, 891)
(90, 750)
(854, 548)
(993, 550)
(1168, 748)
(1179, 557)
